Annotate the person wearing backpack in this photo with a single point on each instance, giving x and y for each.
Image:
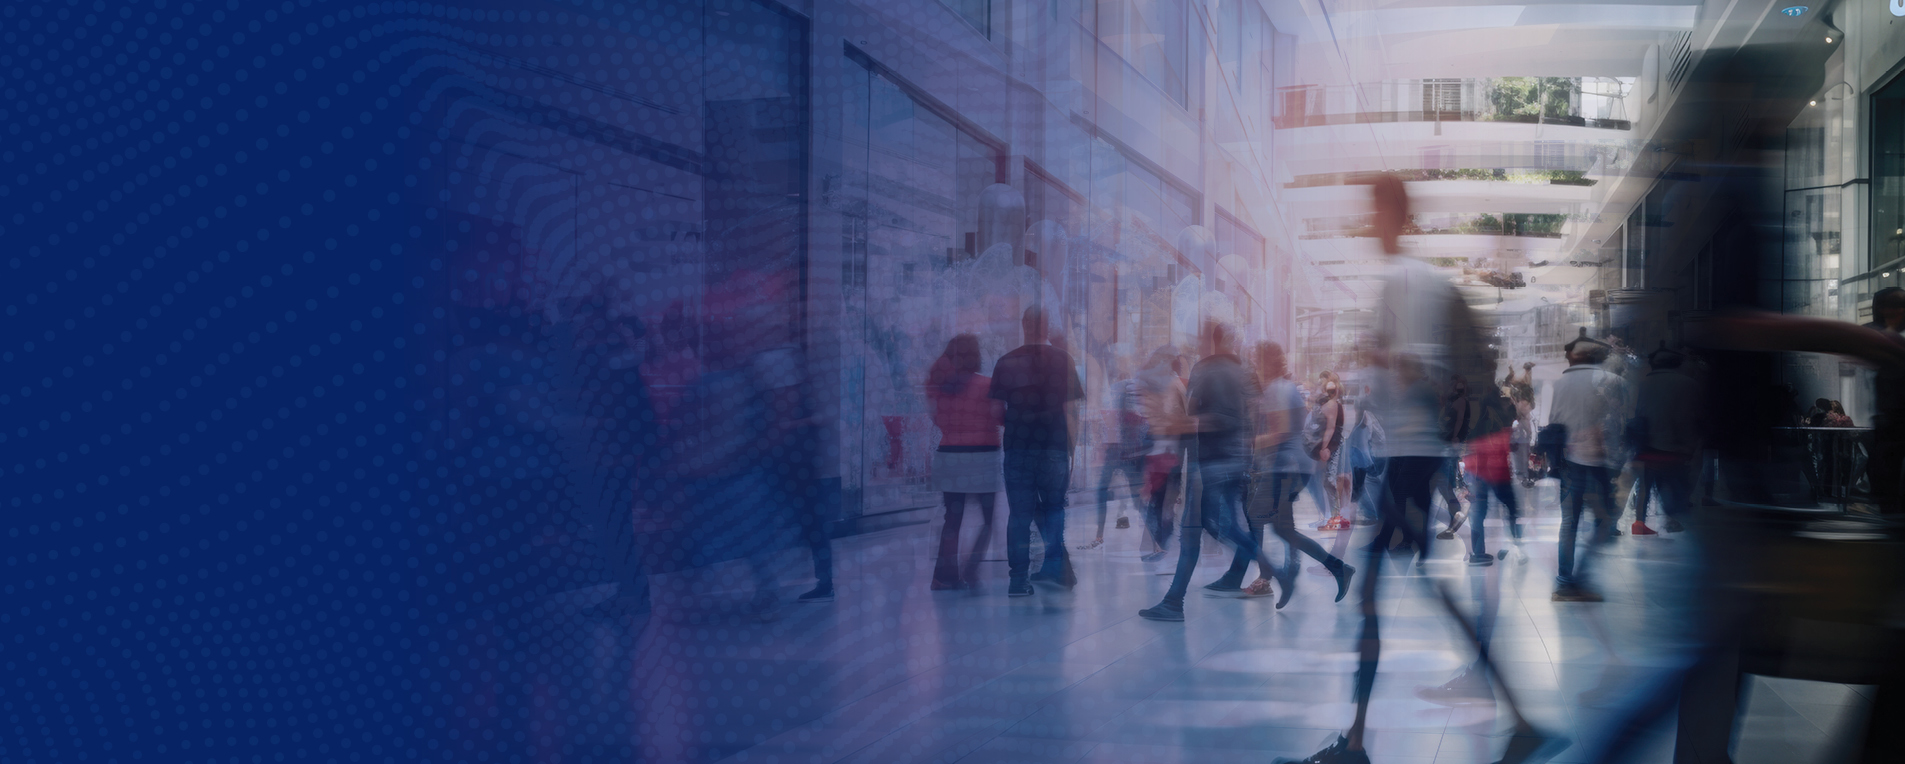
(1425, 334)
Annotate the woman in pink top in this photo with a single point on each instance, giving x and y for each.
(968, 460)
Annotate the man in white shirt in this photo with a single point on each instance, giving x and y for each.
(1588, 402)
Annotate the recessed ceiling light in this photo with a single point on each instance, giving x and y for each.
(1828, 39)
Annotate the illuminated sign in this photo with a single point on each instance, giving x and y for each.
(1898, 7)
(1800, 9)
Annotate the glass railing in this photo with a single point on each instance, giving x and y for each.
(1579, 102)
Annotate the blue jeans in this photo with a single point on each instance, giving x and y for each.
(1580, 480)
(1220, 507)
(1479, 490)
(1035, 485)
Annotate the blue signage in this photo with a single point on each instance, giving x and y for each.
(1793, 11)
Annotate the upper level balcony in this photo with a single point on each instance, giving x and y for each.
(1597, 102)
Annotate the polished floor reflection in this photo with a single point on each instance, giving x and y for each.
(894, 672)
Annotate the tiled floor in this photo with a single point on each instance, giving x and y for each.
(893, 672)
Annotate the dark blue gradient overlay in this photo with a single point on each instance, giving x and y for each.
(303, 302)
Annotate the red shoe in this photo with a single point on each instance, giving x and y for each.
(1337, 523)
(1640, 529)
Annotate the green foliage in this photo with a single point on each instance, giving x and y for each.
(1528, 97)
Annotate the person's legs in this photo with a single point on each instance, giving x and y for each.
(1478, 490)
(1645, 485)
(1190, 546)
(946, 567)
(1259, 501)
(1222, 509)
(1106, 473)
(1410, 481)
(1505, 494)
(1053, 479)
(1285, 487)
(1450, 476)
(1157, 514)
(969, 572)
(1673, 481)
(1131, 477)
(1021, 498)
(1369, 643)
(1601, 482)
(1573, 477)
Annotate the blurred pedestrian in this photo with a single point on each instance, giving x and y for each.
(1456, 421)
(1422, 322)
(1668, 416)
(968, 462)
(1587, 402)
(1040, 387)
(1124, 452)
(1219, 428)
(1279, 469)
(1161, 390)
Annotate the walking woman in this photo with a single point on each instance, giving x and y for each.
(1327, 414)
(968, 461)
(1280, 471)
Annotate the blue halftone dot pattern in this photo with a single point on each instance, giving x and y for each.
(320, 426)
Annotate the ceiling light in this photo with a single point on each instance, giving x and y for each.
(1828, 39)
(1812, 103)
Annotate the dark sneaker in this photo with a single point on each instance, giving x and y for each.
(1220, 585)
(1455, 523)
(1124, 522)
(1236, 594)
(821, 593)
(1164, 611)
(1336, 753)
(1481, 560)
(1673, 526)
(1019, 589)
(1575, 594)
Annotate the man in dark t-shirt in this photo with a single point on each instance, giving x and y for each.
(1219, 404)
(1040, 387)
